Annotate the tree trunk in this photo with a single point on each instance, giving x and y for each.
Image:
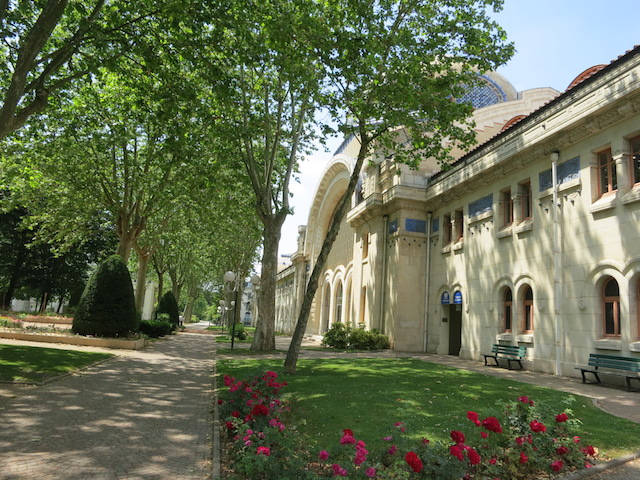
(43, 302)
(265, 334)
(160, 286)
(303, 318)
(141, 281)
(124, 248)
(13, 282)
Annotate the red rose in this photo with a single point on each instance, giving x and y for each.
(523, 458)
(260, 409)
(473, 416)
(456, 452)
(492, 424)
(414, 461)
(473, 456)
(536, 426)
(562, 417)
(562, 450)
(557, 465)
(457, 436)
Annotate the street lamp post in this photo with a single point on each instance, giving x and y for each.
(232, 283)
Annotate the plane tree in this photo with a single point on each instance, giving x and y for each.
(394, 71)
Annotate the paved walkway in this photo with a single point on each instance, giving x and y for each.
(142, 415)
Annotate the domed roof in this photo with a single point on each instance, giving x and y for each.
(586, 74)
(493, 88)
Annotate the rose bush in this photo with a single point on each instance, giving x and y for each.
(521, 441)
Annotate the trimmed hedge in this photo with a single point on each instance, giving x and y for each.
(169, 306)
(107, 307)
(345, 337)
(156, 328)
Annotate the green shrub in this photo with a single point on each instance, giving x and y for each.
(168, 305)
(240, 332)
(345, 337)
(156, 328)
(337, 336)
(107, 306)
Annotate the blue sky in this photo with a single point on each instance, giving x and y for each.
(555, 41)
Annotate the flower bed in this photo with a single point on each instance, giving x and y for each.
(523, 441)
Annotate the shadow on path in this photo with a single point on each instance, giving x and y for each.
(146, 415)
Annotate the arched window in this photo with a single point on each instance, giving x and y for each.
(507, 309)
(527, 310)
(338, 304)
(326, 308)
(611, 307)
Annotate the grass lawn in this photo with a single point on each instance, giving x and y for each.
(370, 395)
(34, 364)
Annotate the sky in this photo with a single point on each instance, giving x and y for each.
(555, 41)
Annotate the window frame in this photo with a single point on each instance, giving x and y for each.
(506, 208)
(526, 200)
(634, 160)
(614, 301)
(459, 224)
(606, 164)
(447, 232)
(527, 310)
(507, 311)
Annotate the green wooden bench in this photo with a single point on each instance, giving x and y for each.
(511, 353)
(628, 367)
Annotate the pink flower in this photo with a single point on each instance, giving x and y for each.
(347, 439)
(536, 426)
(576, 439)
(425, 440)
(323, 455)
(484, 434)
(392, 450)
(457, 436)
(562, 450)
(492, 424)
(371, 472)
(388, 439)
(414, 461)
(400, 426)
(271, 374)
(264, 451)
(338, 471)
(519, 440)
(347, 431)
(523, 399)
(523, 458)
(562, 417)
(589, 450)
(557, 465)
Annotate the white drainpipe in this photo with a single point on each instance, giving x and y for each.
(427, 278)
(557, 262)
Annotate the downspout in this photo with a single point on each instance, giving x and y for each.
(383, 284)
(557, 261)
(427, 278)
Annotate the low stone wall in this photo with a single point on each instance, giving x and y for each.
(77, 340)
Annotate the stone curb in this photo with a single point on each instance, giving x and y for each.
(601, 467)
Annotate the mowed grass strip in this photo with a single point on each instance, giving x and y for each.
(35, 364)
(370, 395)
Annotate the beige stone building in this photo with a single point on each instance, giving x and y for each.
(531, 238)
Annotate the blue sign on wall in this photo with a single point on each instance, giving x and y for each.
(457, 298)
(444, 300)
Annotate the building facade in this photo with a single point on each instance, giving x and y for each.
(531, 238)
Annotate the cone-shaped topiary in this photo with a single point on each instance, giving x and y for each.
(107, 307)
(169, 305)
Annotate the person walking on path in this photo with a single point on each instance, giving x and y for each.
(144, 415)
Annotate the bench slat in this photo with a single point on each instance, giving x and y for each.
(622, 366)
